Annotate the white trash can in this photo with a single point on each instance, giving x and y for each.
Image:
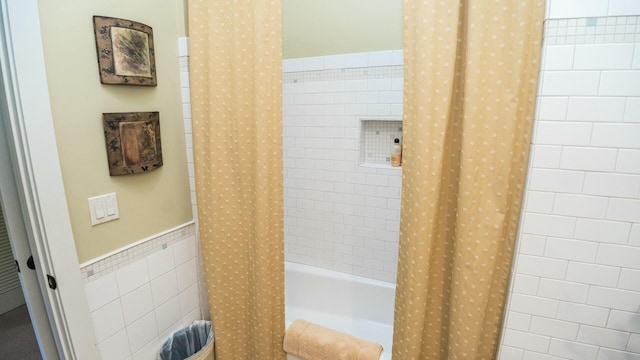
(194, 342)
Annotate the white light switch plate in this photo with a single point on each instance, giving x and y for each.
(103, 208)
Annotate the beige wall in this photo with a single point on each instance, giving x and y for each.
(183, 21)
(326, 27)
(149, 203)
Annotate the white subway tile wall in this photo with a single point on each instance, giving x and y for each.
(339, 214)
(183, 53)
(576, 284)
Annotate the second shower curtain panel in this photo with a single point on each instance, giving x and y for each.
(471, 70)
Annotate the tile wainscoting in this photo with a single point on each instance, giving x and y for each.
(141, 294)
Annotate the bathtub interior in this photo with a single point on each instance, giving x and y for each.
(352, 304)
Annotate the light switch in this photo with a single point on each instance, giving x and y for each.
(99, 208)
(110, 206)
(103, 208)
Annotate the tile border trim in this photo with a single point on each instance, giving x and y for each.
(592, 30)
(114, 260)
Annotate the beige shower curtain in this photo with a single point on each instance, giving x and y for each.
(235, 76)
(471, 70)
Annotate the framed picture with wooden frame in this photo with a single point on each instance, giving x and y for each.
(133, 142)
(126, 55)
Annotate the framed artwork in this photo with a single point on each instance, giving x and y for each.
(133, 142)
(125, 49)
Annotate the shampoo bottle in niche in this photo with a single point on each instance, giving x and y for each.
(396, 153)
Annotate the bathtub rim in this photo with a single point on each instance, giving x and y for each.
(319, 271)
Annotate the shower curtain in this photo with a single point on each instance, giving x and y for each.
(236, 91)
(471, 70)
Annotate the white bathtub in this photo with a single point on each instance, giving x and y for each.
(352, 304)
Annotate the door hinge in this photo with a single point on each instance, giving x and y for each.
(17, 265)
(52, 282)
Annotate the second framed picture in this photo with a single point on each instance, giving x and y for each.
(133, 142)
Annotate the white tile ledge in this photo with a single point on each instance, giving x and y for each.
(380, 166)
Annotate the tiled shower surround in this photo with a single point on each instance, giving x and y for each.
(576, 290)
(576, 281)
(339, 214)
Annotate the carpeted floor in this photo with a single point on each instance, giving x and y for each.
(17, 339)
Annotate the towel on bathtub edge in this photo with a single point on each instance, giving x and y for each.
(314, 342)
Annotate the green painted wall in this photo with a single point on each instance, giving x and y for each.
(149, 203)
(327, 27)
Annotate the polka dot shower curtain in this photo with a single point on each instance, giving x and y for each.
(471, 70)
(235, 67)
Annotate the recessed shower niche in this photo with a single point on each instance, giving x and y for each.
(377, 140)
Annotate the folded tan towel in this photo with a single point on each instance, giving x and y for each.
(314, 342)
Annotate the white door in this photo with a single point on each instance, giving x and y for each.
(30, 136)
(20, 246)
